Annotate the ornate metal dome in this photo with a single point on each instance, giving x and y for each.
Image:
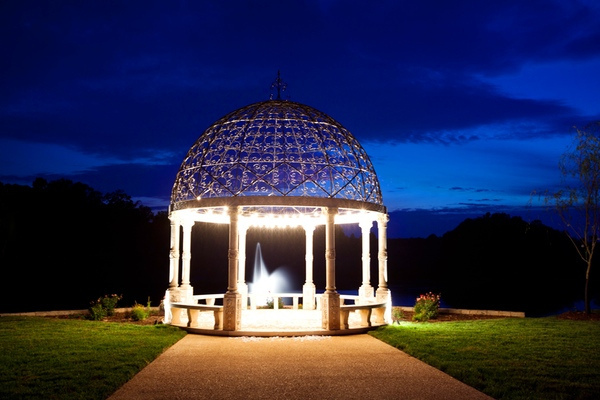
(275, 148)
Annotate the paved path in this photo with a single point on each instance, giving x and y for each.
(327, 367)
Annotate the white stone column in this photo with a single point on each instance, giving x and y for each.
(383, 294)
(186, 254)
(242, 286)
(185, 289)
(309, 290)
(173, 295)
(232, 301)
(174, 254)
(366, 291)
(330, 307)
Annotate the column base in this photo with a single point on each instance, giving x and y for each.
(232, 311)
(330, 311)
(366, 293)
(308, 296)
(243, 289)
(385, 296)
(176, 295)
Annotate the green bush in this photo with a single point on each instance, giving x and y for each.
(397, 315)
(139, 312)
(97, 312)
(104, 307)
(426, 307)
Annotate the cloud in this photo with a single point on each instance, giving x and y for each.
(462, 189)
(159, 77)
(472, 36)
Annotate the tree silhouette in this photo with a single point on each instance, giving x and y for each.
(578, 203)
(63, 244)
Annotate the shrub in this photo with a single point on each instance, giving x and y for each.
(104, 307)
(97, 312)
(109, 303)
(426, 307)
(397, 315)
(139, 312)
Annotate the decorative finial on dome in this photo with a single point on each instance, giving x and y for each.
(279, 84)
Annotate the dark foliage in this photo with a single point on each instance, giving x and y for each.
(492, 262)
(63, 244)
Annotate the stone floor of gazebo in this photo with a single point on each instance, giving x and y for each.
(283, 322)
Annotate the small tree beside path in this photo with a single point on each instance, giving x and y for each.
(578, 202)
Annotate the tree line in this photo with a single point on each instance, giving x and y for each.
(494, 262)
(64, 244)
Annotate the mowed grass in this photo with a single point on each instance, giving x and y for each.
(524, 358)
(46, 358)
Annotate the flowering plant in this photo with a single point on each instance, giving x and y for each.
(103, 307)
(109, 303)
(427, 307)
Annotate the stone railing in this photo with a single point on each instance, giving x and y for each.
(275, 297)
(209, 299)
(296, 296)
(367, 308)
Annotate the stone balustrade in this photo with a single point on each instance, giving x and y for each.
(275, 297)
(209, 299)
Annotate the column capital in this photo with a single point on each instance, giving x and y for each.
(365, 225)
(188, 223)
(309, 228)
(383, 219)
(243, 226)
(330, 210)
(234, 210)
(174, 219)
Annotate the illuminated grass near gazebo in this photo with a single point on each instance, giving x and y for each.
(521, 358)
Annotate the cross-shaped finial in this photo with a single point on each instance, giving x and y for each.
(279, 84)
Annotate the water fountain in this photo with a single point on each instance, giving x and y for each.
(264, 283)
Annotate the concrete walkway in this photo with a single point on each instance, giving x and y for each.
(311, 367)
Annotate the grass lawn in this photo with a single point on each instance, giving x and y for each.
(47, 358)
(529, 358)
(521, 358)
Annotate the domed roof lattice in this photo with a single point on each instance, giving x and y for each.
(276, 148)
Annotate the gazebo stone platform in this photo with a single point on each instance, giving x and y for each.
(276, 323)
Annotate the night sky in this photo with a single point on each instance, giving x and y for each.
(463, 106)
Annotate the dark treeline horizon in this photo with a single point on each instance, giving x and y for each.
(64, 244)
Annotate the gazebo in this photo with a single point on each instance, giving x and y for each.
(276, 163)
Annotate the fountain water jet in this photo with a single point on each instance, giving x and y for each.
(264, 283)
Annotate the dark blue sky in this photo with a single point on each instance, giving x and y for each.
(464, 106)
